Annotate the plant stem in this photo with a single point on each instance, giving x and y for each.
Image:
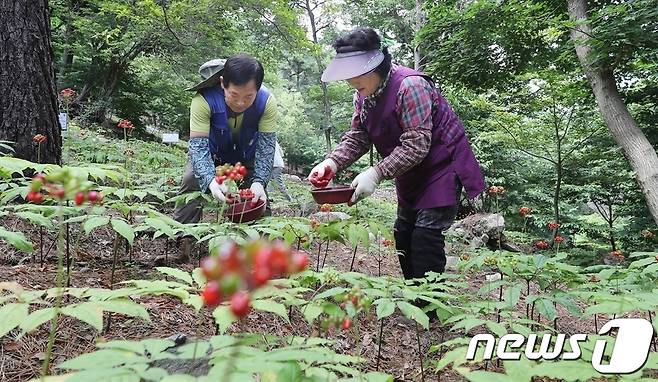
(353, 258)
(379, 347)
(68, 257)
(420, 354)
(58, 299)
(115, 249)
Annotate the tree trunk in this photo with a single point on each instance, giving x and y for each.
(635, 145)
(28, 105)
(325, 94)
(419, 21)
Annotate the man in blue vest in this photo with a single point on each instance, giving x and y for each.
(232, 119)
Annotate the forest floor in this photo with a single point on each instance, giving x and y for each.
(404, 344)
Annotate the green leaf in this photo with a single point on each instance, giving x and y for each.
(512, 294)
(88, 312)
(271, 306)
(177, 273)
(651, 269)
(195, 301)
(161, 225)
(36, 319)
(291, 372)
(312, 312)
(330, 293)
(35, 218)
(199, 278)
(17, 239)
(126, 307)
(415, 313)
(385, 307)
(372, 376)
(546, 308)
(643, 262)
(487, 376)
(11, 315)
(124, 229)
(104, 358)
(576, 370)
(223, 318)
(95, 222)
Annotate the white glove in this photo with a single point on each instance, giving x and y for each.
(218, 191)
(259, 192)
(318, 170)
(365, 184)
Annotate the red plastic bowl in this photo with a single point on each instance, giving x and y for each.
(332, 195)
(245, 211)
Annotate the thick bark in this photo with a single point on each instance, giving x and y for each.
(635, 145)
(419, 21)
(28, 105)
(325, 93)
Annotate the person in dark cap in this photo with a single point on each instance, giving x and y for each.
(421, 140)
(232, 119)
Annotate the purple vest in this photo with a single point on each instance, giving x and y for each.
(450, 163)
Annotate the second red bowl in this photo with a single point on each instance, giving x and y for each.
(332, 195)
(245, 211)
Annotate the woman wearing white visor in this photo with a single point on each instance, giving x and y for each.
(420, 138)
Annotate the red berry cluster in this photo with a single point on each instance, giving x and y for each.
(542, 244)
(94, 197)
(125, 124)
(388, 243)
(235, 173)
(233, 271)
(246, 194)
(39, 138)
(356, 299)
(618, 255)
(324, 180)
(647, 234)
(496, 190)
(56, 191)
(67, 94)
(326, 207)
(558, 239)
(524, 211)
(315, 223)
(553, 226)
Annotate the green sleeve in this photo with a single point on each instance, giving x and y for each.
(268, 121)
(199, 115)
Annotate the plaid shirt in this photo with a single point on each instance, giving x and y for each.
(415, 100)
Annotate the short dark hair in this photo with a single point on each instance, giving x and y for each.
(364, 39)
(242, 68)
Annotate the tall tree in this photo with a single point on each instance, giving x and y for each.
(28, 105)
(498, 41)
(635, 145)
(320, 17)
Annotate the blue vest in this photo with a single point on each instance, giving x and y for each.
(222, 147)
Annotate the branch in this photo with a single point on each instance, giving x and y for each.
(317, 5)
(321, 27)
(601, 212)
(579, 144)
(568, 124)
(164, 10)
(276, 26)
(518, 146)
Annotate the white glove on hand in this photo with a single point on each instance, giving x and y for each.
(365, 184)
(218, 191)
(259, 192)
(318, 171)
